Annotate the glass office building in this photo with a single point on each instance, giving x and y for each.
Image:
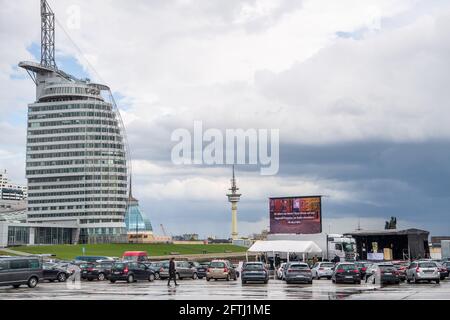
(76, 158)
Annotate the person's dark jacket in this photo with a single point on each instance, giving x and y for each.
(172, 267)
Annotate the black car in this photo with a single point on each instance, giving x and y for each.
(53, 272)
(346, 273)
(131, 272)
(85, 268)
(98, 271)
(201, 269)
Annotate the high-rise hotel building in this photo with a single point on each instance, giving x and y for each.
(76, 154)
(76, 161)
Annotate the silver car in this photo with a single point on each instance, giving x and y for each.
(423, 271)
(297, 272)
(322, 270)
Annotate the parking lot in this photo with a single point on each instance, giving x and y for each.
(203, 290)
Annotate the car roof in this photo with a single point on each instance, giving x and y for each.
(20, 258)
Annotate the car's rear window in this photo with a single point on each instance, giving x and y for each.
(299, 266)
(347, 267)
(427, 265)
(85, 265)
(327, 265)
(253, 266)
(165, 265)
(387, 268)
(119, 266)
(217, 265)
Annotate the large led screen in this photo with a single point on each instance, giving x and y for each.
(300, 215)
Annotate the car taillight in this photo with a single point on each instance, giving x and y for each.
(161, 269)
(290, 270)
(363, 269)
(90, 269)
(321, 268)
(225, 270)
(340, 271)
(125, 270)
(356, 271)
(417, 269)
(208, 270)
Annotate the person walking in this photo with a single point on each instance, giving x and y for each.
(172, 272)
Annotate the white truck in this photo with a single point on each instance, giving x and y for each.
(331, 244)
(342, 246)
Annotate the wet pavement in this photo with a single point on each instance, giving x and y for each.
(203, 290)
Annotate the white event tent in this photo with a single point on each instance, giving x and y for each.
(285, 246)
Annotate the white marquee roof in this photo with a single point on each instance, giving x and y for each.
(285, 246)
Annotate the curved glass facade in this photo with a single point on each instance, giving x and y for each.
(135, 220)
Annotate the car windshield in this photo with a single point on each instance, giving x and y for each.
(348, 247)
(327, 265)
(217, 265)
(253, 266)
(427, 265)
(165, 265)
(195, 264)
(298, 266)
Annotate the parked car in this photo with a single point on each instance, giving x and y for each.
(18, 271)
(93, 259)
(386, 272)
(423, 271)
(221, 269)
(297, 272)
(443, 270)
(280, 271)
(201, 269)
(401, 267)
(254, 271)
(96, 271)
(54, 272)
(346, 272)
(136, 256)
(155, 266)
(182, 270)
(322, 270)
(130, 272)
(446, 264)
(85, 268)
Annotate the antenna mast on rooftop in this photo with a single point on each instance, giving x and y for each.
(47, 36)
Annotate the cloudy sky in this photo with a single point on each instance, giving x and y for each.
(358, 89)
